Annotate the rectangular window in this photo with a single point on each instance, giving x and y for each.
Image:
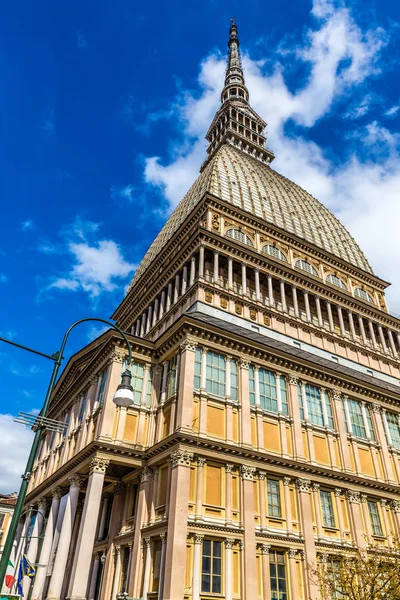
(211, 567)
(2, 518)
(197, 369)
(103, 381)
(234, 380)
(375, 519)
(277, 576)
(315, 399)
(215, 374)
(394, 429)
(267, 390)
(328, 516)
(82, 406)
(137, 371)
(274, 498)
(124, 570)
(357, 421)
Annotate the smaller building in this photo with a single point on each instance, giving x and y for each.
(7, 507)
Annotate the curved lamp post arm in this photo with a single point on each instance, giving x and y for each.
(57, 358)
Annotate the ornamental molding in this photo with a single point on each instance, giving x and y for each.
(247, 472)
(99, 465)
(181, 458)
(353, 496)
(303, 485)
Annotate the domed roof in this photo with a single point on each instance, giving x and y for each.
(245, 182)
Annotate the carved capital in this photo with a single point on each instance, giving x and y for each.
(323, 558)
(198, 538)
(42, 503)
(247, 472)
(244, 363)
(292, 552)
(118, 356)
(201, 461)
(303, 485)
(188, 344)
(181, 458)
(384, 503)
(363, 497)
(315, 487)
(335, 394)
(145, 475)
(377, 408)
(286, 481)
(265, 548)
(292, 379)
(229, 543)
(396, 505)
(57, 492)
(157, 370)
(261, 475)
(99, 465)
(353, 496)
(229, 467)
(75, 480)
(337, 492)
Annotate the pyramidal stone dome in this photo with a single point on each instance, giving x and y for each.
(243, 181)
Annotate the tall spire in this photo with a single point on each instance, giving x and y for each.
(236, 123)
(234, 72)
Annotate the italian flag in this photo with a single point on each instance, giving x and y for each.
(10, 579)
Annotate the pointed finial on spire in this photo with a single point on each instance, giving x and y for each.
(234, 78)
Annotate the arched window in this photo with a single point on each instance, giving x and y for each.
(239, 236)
(274, 251)
(306, 266)
(364, 295)
(334, 280)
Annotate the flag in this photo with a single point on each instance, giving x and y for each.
(20, 578)
(27, 567)
(10, 579)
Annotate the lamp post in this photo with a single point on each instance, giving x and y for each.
(123, 397)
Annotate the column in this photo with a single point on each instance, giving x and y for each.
(249, 566)
(94, 575)
(60, 563)
(201, 262)
(149, 318)
(256, 386)
(228, 492)
(147, 566)
(175, 556)
(216, 267)
(317, 508)
(391, 343)
(184, 279)
(366, 517)
(245, 402)
(86, 538)
(156, 309)
(338, 493)
(395, 504)
(341, 321)
(162, 305)
(387, 464)
(137, 329)
(361, 326)
(309, 431)
(230, 273)
(197, 540)
(330, 316)
(283, 295)
(143, 326)
(34, 541)
(192, 275)
(203, 369)
(163, 537)
(307, 304)
(169, 297)
(140, 521)
(263, 505)
(355, 518)
(265, 571)
(386, 427)
(257, 283)
(102, 526)
(199, 488)
(288, 505)
(319, 312)
(382, 338)
(398, 339)
(143, 395)
(41, 572)
(270, 290)
(244, 280)
(295, 301)
(117, 570)
(365, 420)
(372, 334)
(176, 287)
(351, 323)
(298, 446)
(228, 568)
(292, 571)
(303, 487)
(184, 402)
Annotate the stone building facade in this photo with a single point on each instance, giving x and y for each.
(264, 435)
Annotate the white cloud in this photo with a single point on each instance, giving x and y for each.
(27, 225)
(15, 443)
(10, 334)
(392, 112)
(96, 331)
(96, 269)
(341, 59)
(123, 194)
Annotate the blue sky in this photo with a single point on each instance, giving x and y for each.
(103, 110)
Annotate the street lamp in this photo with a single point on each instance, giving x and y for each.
(123, 397)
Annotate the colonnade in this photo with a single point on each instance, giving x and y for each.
(278, 294)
